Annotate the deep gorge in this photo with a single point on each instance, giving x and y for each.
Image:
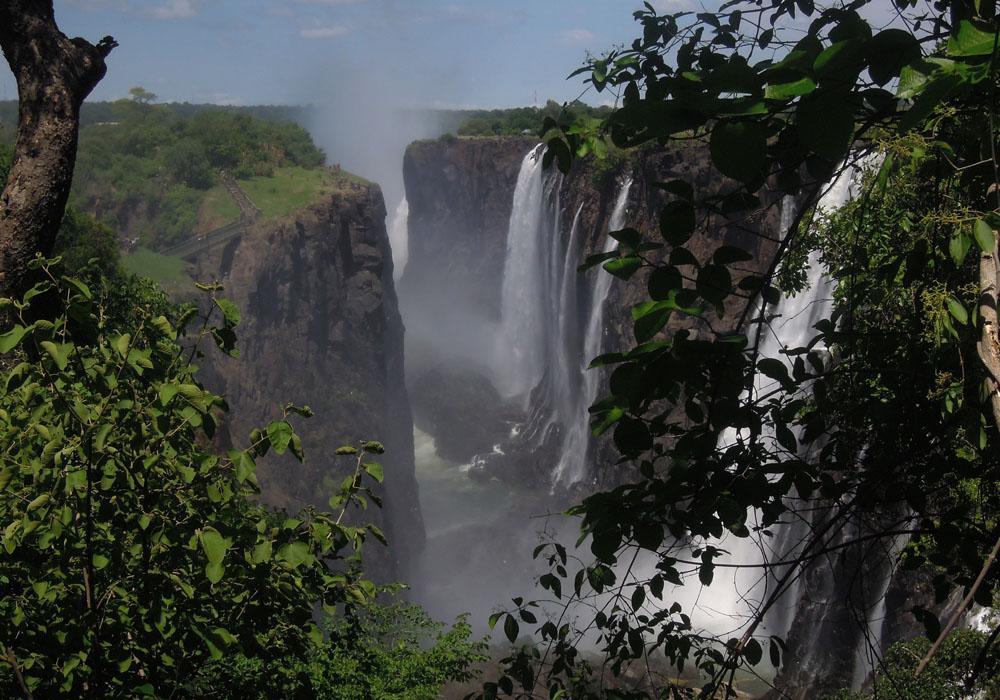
(500, 436)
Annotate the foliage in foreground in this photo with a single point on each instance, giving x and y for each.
(782, 107)
(383, 652)
(131, 554)
(946, 677)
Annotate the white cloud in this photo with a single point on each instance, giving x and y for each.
(174, 9)
(578, 36)
(328, 32)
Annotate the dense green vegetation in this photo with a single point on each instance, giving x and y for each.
(520, 121)
(147, 170)
(946, 677)
(152, 171)
(132, 555)
(384, 652)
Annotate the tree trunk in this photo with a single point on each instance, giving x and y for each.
(54, 75)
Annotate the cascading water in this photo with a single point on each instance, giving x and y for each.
(542, 353)
(576, 442)
(520, 349)
(792, 326)
(399, 239)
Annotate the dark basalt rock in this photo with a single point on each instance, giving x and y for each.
(463, 411)
(321, 327)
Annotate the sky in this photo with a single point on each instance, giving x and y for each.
(422, 53)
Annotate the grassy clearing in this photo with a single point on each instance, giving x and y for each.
(168, 271)
(217, 210)
(289, 190)
(279, 195)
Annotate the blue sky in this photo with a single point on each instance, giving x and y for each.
(482, 53)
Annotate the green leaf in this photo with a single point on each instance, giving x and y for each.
(510, 628)
(295, 554)
(677, 221)
(650, 317)
(122, 343)
(374, 470)
(625, 267)
(59, 352)
(346, 450)
(10, 339)
(785, 91)
(214, 545)
(773, 368)
(166, 392)
(959, 246)
(638, 598)
(739, 150)
(956, 309)
(825, 123)
(888, 52)
(706, 572)
(100, 561)
(373, 447)
(985, 236)
(914, 77)
(279, 433)
(663, 282)
(604, 421)
(243, 464)
(753, 652)
(729, 254)
(971, 40)
(934, 92)
(38, 502)
(261, 552)
(229, 311)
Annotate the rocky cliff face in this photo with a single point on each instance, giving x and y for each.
(460, 193)
(321, 327)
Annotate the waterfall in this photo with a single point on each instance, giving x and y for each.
(792, 325)
(399, 239)
(542, 351)
(524, 296)
(572, 464)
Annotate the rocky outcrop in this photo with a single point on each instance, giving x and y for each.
(464, 412)
(321, 327)
(459, 193)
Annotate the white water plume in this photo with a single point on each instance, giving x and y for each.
(573, 458)
(520, 348)
(399, 238)
(792, 325)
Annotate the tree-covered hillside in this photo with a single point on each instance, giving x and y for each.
(152, 172)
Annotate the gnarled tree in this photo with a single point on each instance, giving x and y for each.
(54, 76)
